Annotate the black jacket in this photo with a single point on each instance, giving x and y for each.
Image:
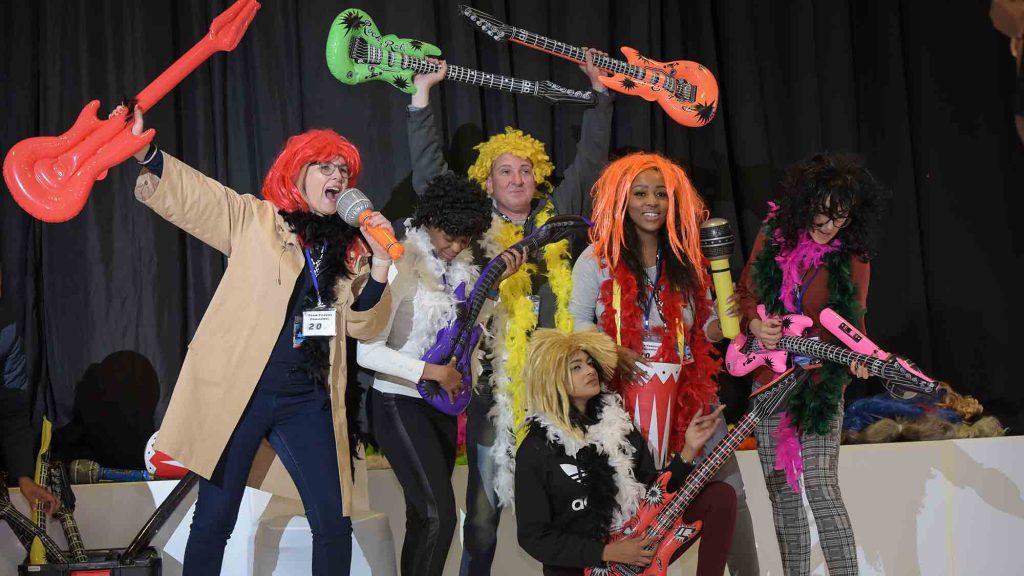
(16, 437)
(557, 524)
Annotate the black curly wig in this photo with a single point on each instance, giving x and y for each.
(455, 205)
(850, 190)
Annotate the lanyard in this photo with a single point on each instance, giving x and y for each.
(803, 290)
(314, 271)
(654, 291)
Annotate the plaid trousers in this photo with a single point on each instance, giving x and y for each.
(821, 481)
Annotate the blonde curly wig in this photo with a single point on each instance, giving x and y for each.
(515, 142)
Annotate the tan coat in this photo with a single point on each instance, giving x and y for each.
(237, 334)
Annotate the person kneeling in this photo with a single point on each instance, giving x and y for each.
(583, 467)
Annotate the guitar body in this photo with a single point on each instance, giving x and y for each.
(645, 523)
(653, 87)
(456, 340)
(687, 91)
(51, 177)
(353, 25)
(740, 361)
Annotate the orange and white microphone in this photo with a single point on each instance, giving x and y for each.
(354, 208)
(716, 242)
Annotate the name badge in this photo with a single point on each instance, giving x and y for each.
(651, 345)
(318, 322)
(536, 304)
(687, 355)
(297, 337)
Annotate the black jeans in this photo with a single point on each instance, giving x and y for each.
(420, 443)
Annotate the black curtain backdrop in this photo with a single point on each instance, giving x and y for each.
(922, 90)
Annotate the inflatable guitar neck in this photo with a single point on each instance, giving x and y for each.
(24, 529)
(459, 338)
(357, 53)
(51, 177)
(686, 91)
(660, 514)
(61, 488)
(745, 354)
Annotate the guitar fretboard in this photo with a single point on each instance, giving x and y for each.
(26, 531)
(375, 55)
(75, 545)
(701, 475)
(474, 77)
(680, 88)
(492, 273)
(885, 369)
(766, 403)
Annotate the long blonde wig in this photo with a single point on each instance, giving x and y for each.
(546, 374)
(611, 192)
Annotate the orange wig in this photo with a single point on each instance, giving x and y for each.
(611, 195)
(281, 185)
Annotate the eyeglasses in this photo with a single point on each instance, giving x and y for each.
(837, 222)
(328, 168)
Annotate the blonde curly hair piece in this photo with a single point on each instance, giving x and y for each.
(518, 143)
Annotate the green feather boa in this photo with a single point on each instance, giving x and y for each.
(812, 407)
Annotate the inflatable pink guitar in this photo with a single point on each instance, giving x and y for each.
(745, 354)
(51, 176)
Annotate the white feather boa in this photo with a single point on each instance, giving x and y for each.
(434, 305)
(610, 436)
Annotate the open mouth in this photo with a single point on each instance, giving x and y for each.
(332, 194)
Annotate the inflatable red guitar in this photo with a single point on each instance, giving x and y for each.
(660, 514)
(687, 91)
(746, 354)
(51, 176)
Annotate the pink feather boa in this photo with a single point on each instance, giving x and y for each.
(795, 261)
(787, 451)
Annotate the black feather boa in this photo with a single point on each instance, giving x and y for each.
(600, 476)
(315, 231)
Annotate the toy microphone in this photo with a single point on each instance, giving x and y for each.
(716, 241)
(354, 208)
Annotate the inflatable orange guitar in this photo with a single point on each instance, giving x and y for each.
(51, 176)
(687, 91)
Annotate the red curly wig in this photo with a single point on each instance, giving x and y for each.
(281, 185)
(686, 210)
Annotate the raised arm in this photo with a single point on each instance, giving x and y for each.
(424, 139)
(185, 197)
(572, 196)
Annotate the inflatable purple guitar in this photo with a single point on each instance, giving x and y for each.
(459, 338)
(745, 354)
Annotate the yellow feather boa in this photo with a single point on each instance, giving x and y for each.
(516, 320)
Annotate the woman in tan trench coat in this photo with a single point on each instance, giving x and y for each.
(261, 395)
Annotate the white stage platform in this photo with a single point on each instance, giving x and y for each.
(923, 508)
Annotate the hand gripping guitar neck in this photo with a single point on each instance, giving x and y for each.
(745, 354)
(686, 91)
(660, 514)
(357, 53)
(51, 177)
(24, 529)
(459, 338)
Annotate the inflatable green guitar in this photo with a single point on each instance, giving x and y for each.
(357, 53)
